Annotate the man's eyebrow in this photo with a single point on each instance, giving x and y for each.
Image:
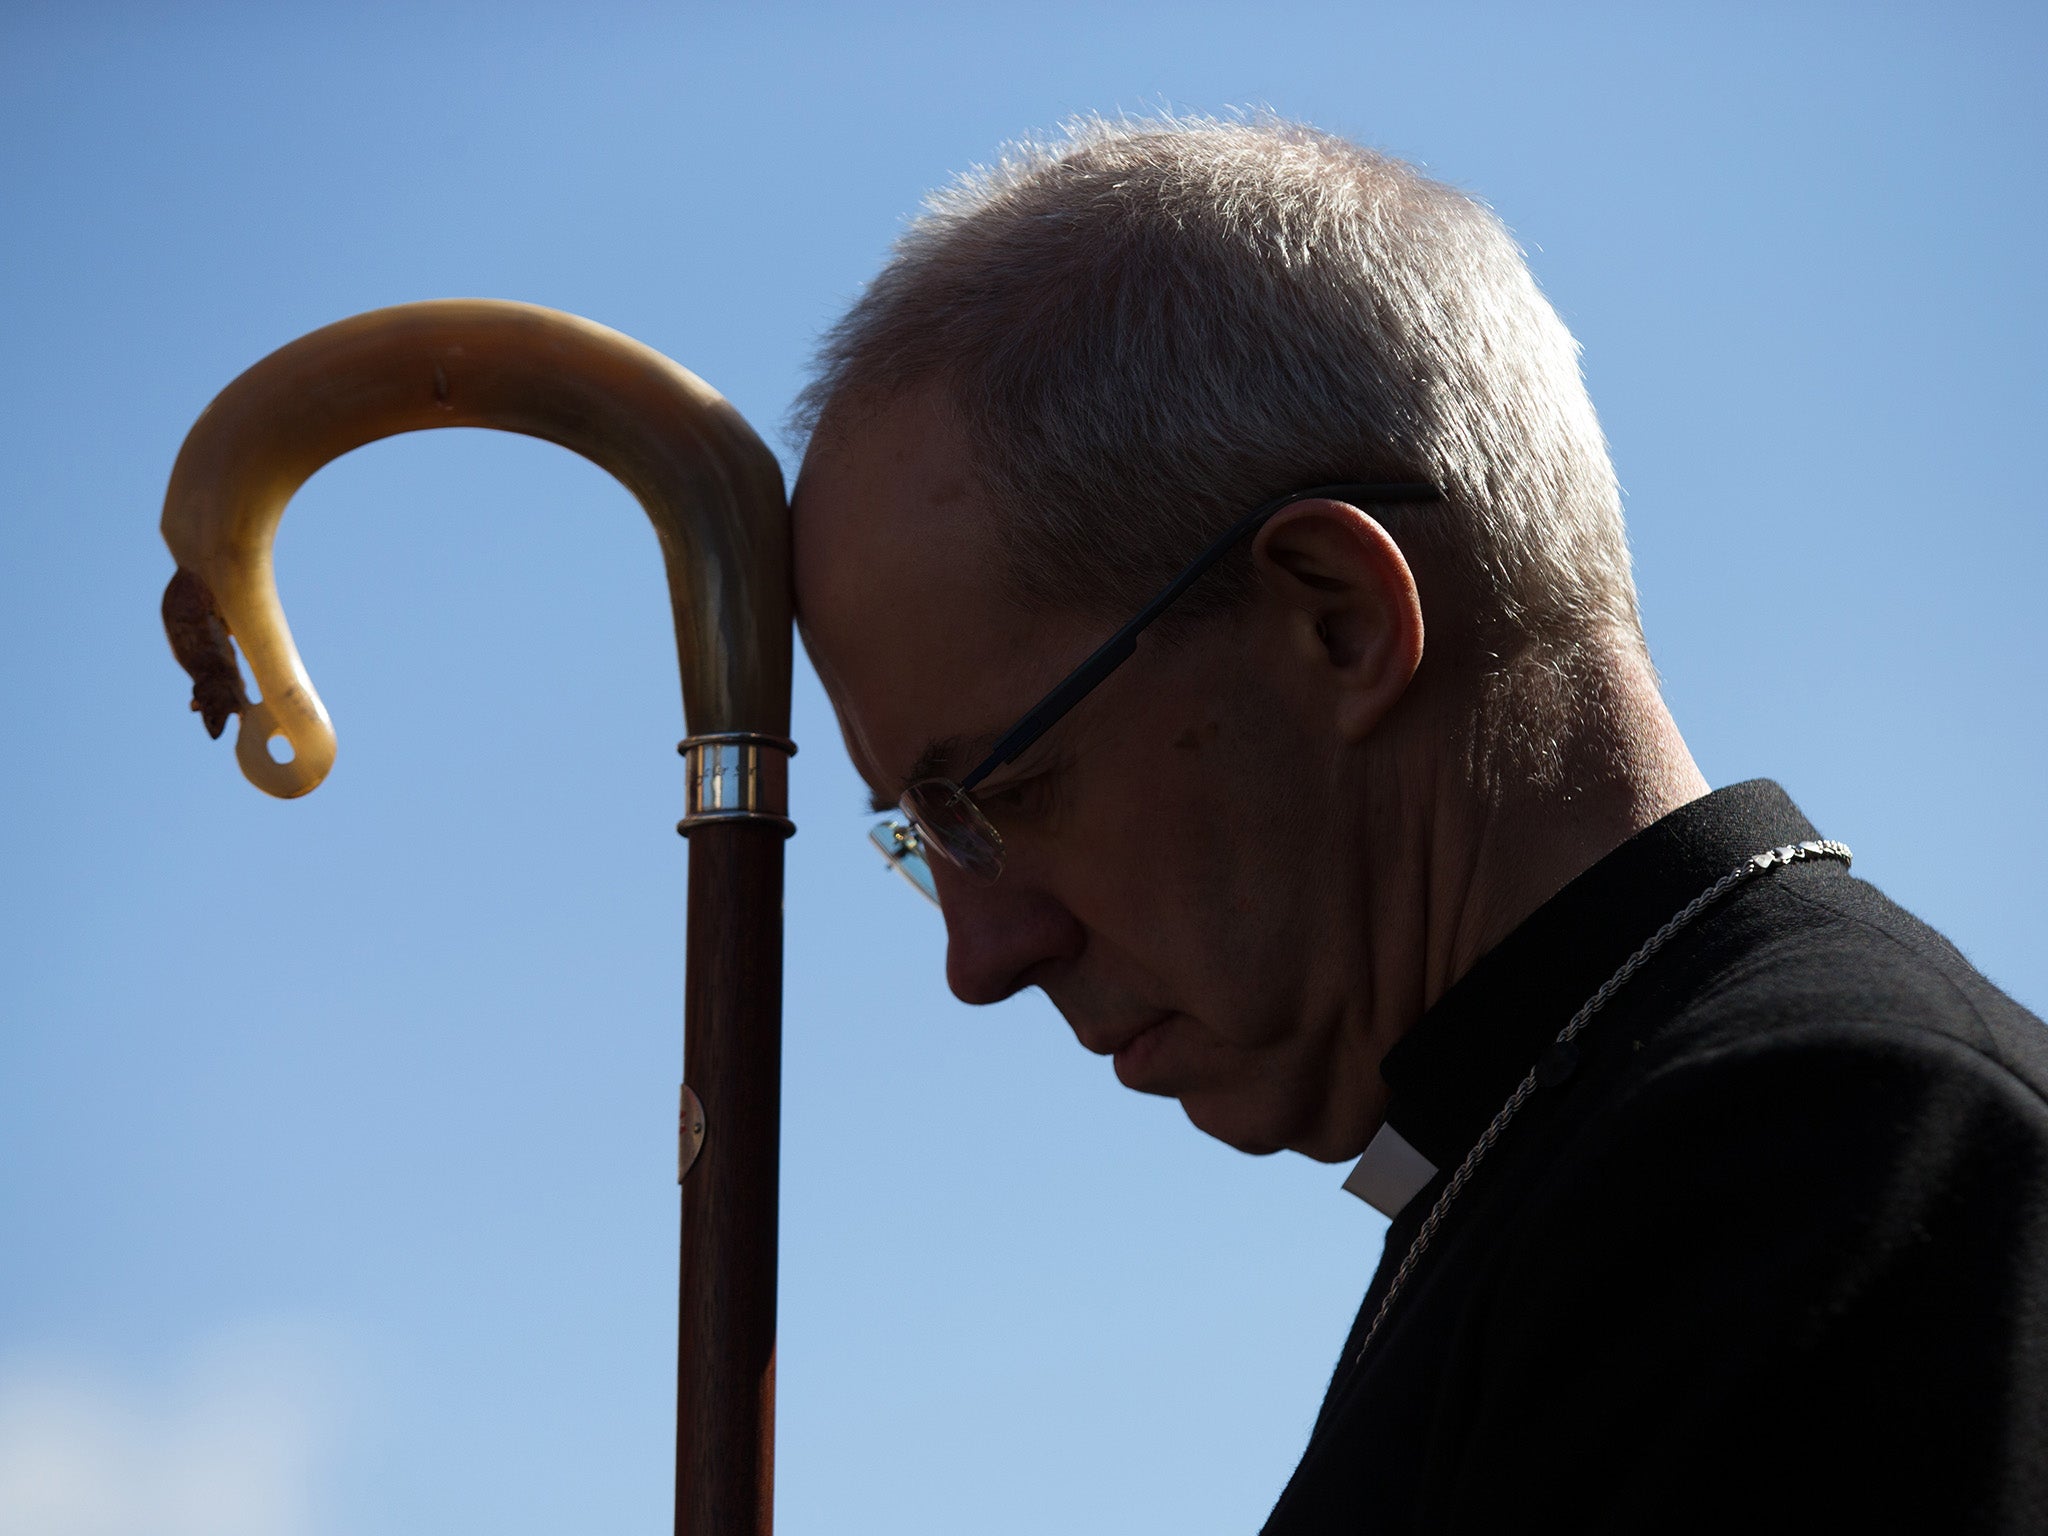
(945, 757)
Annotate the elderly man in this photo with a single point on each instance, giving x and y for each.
(1215, 563)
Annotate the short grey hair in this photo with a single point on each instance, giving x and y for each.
(1148, 327)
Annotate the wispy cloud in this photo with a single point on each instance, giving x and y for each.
(235, 1443)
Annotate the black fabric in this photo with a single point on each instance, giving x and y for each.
(1772, 1256)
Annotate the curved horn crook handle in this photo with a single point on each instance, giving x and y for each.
(714, 493)
(711, 488)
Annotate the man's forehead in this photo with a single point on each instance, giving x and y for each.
(883, 502)
(899, 592)
(887, 493)
(897, 468)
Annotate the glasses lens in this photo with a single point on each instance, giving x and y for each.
(951, 824)
(900, 845)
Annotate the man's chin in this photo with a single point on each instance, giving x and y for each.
(1233, 1131)
(1235, 1124)
(1143, 1062)
(1155, 1061)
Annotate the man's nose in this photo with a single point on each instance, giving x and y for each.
(1000, 935)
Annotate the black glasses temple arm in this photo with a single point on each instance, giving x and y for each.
(1077, 685)
(1120, 647)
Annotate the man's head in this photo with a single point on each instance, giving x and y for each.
(1077, 370)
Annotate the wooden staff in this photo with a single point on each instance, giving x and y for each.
(714, 494)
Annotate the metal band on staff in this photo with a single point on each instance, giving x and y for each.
(736, 776)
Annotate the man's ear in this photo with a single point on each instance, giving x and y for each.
(1354, 606)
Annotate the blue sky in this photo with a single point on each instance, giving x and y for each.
(336, 1156)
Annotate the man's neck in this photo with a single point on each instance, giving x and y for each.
(1452, 867)
(1505, 852)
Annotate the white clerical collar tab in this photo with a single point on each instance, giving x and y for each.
(1390, 1173)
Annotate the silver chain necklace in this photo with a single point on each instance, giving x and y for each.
(1791, 853)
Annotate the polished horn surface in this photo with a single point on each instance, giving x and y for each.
(710, 486)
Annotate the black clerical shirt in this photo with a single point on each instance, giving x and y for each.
(1772, 1256)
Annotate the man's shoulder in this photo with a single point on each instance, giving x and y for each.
(1830, 967)
(1787, 1237)
(1771, 1239)
(1841, 1096)
(1835, 1064)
